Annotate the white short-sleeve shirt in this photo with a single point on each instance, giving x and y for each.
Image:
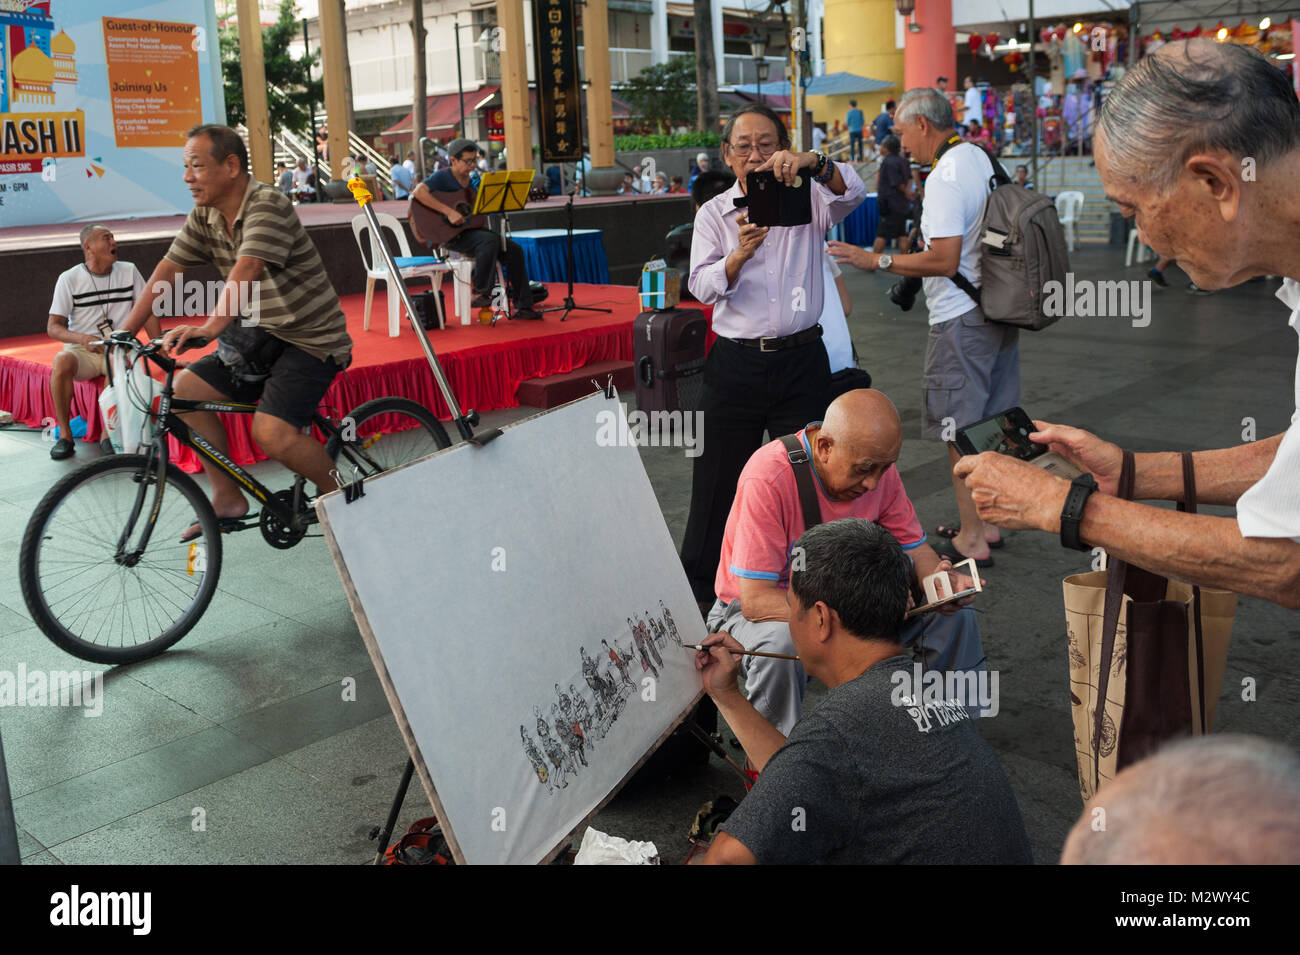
(1271, 506)
(87, 299)
(956, 193)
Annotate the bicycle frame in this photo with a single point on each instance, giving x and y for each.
(166, 421)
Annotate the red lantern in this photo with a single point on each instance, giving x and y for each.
(1177, 33)
(1195, 32)
(976, 41)
(1013, 60)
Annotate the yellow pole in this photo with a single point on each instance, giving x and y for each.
(514, 84)
(600, 107)
(333, 67)
(257, 117)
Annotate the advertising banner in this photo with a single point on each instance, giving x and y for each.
(95, 99)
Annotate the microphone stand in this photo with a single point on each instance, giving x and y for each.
(569, 304)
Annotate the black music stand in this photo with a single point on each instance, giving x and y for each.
(502, 193)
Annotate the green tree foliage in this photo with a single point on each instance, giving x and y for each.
(290, 88)
(664, 93)
(661, 141)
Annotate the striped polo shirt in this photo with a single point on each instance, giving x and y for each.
(296, 302)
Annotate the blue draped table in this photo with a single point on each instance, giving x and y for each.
(545, 251)
(859, 226)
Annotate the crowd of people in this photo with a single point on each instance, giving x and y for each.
(780, 580)
(808, 544)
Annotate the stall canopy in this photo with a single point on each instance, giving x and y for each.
(832, 84)
(980, 15)
(442, 112)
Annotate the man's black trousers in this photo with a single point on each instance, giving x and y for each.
(485, 245)
(746, 392)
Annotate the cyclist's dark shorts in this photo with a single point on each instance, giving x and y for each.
(292, 393)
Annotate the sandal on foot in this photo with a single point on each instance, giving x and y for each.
(226, 524)
(945, 531)
(945, 548)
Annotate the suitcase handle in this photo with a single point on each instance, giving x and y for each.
(645, 371)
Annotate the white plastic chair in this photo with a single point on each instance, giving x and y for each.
(408, 266)
(1136, 249)
(462, 280)
(1068, 204)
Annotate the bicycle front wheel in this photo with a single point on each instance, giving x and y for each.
(106, 579)
(382, 434)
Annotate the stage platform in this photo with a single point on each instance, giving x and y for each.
(484, 364)
(40, 253)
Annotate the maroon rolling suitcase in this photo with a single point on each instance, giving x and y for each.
(668, 348)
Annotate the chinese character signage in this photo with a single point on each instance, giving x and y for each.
(555, 45)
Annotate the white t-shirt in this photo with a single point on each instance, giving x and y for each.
(974, 105)
(955, 195)
(818, 137)
(1271, 506)
(87, 299)
(835, 326)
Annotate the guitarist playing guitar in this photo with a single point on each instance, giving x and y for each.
(439, 216)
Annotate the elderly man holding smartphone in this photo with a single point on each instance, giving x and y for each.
(1172, 142)
(768, 370)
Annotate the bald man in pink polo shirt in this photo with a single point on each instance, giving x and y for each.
(852, 454)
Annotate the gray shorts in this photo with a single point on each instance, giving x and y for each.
(972, 370)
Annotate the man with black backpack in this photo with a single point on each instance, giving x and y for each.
(972, 365)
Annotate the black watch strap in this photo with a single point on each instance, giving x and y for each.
(1080, 489)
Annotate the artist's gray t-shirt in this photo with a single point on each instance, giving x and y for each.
(862, 780)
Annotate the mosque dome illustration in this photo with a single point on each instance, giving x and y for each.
(33, 76)
(65, 64)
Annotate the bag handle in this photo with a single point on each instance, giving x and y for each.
(801, 464)
(1116, 571)
(1188, 505)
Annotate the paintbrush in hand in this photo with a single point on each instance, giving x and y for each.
(747, 653)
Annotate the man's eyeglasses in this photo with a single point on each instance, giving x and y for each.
(744, 149)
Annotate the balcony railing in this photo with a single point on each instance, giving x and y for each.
(385, 82)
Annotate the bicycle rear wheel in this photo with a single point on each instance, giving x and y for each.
(382, 434)
(83, 582)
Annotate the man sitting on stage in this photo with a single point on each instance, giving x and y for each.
(101, 289)
(292, 339)
(483, 245)
(874, 774)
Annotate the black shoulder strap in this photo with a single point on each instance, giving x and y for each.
(803, 479)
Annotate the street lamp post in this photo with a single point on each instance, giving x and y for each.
(758, 49)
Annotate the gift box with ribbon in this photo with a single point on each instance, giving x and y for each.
(661, 287)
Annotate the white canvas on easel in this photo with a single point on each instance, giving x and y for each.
(550, 540)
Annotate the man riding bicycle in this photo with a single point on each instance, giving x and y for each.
(291, 338)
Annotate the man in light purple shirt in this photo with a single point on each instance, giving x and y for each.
(768, 370)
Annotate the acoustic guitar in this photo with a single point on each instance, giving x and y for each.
(432, 228)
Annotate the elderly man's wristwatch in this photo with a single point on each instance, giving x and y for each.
(884, 262)
(1080, 490)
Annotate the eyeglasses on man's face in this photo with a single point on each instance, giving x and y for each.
(744, 148)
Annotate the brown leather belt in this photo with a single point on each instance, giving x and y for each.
(777, 344)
